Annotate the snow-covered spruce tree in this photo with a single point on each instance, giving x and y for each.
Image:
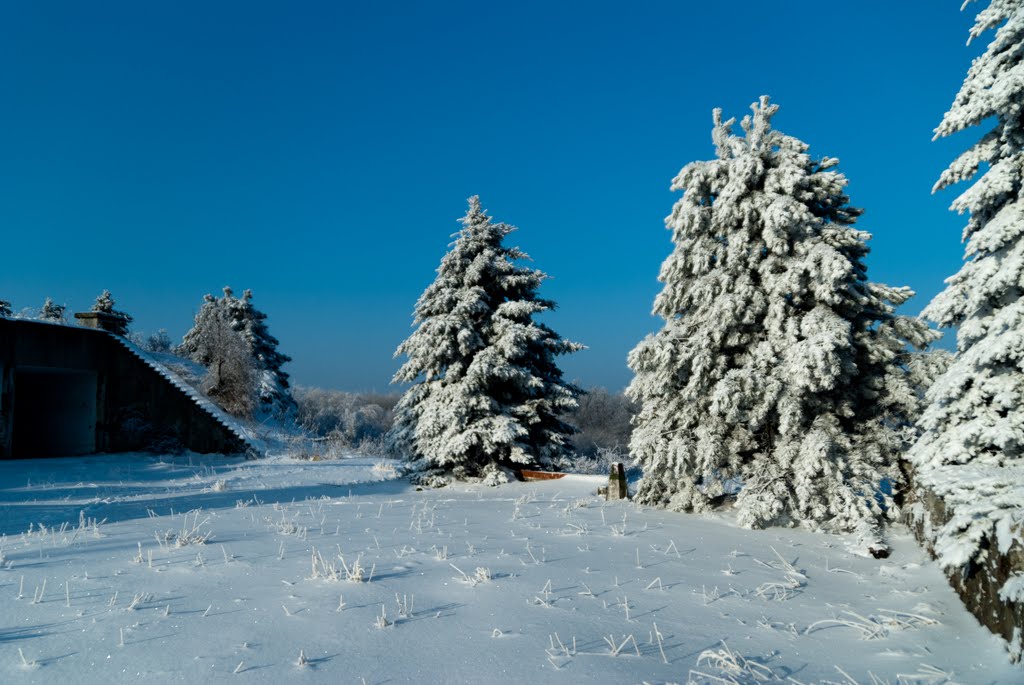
(779, 365)
(105, 303)
(52, 311)
(190, 346)
(971, 452)
(272, 388)
(486, 391)
(274, 393)
(213, 341)
(5, 310)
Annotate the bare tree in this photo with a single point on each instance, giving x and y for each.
(352, 418)
(602, 421)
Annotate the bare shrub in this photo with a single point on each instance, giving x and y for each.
(603, 421)
(354, 419)
(159, 342)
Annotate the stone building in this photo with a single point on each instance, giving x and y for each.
(72, 390)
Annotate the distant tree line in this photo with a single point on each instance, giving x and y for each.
(363, 420)
(358, 420)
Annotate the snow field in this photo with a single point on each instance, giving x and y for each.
(130, 568)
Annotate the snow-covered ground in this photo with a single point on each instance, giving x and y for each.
(134, 568)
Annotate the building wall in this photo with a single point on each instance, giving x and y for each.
(56, 414)
(131, 407)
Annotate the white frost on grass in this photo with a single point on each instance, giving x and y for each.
(571, 589)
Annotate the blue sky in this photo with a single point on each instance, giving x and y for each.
(320, 153)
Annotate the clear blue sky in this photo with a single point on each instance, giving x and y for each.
(320, 153)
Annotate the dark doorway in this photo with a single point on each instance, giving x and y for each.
(54, 413)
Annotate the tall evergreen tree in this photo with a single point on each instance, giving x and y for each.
(190, 346)
(272, 387)
(779, 365)
(486, 389)
(251, 323)
(971, 452)
(230, 380)
(52, 311)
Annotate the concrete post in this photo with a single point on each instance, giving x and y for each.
(103, 321)
(617, 482)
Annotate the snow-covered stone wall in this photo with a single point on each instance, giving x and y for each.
(991, 584)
